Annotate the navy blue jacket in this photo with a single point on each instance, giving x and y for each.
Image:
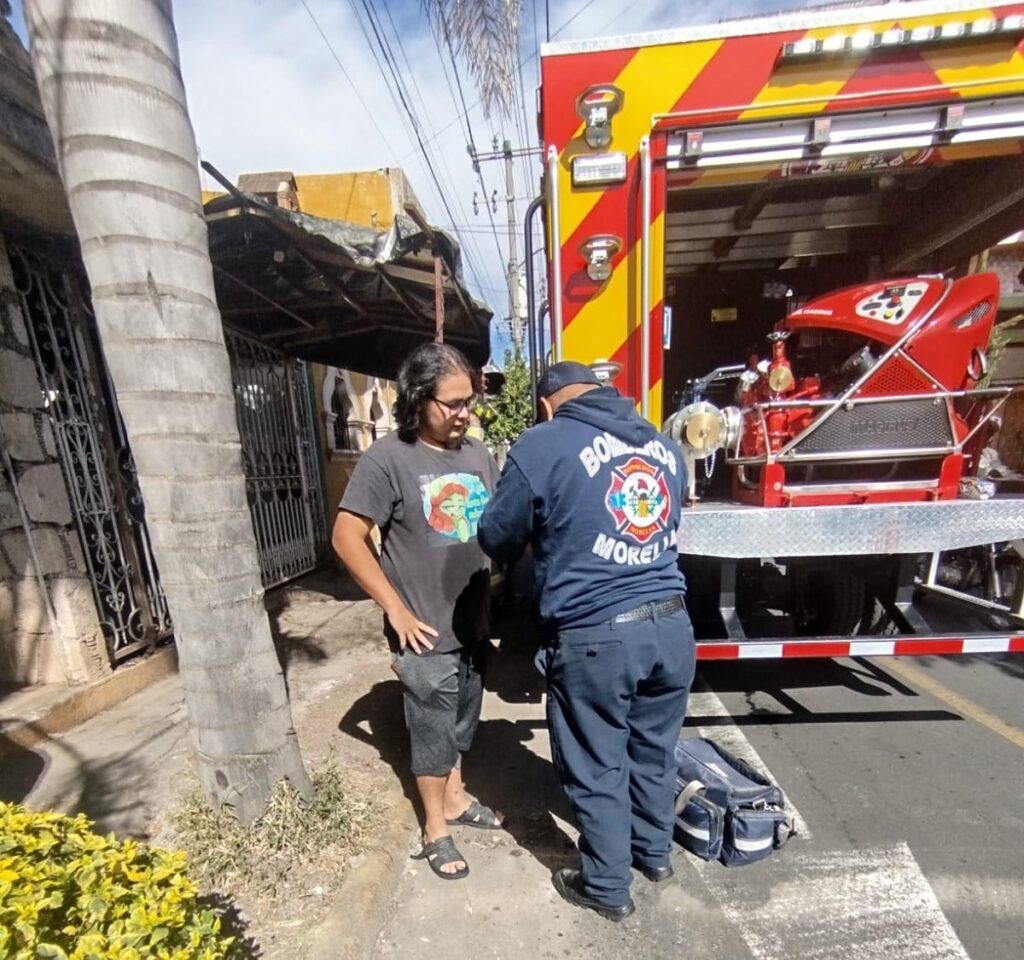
(596, 491)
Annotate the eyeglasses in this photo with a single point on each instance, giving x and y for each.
(455, 407)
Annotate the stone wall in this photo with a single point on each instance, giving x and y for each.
(37, 530)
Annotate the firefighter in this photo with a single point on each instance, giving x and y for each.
(596, 491)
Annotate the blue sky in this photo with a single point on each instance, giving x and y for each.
(265, 93)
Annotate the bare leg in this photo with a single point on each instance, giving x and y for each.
(432, 793)
(455, 799)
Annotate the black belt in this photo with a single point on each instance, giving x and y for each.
(648, 611)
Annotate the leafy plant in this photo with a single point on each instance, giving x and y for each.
(67, 893)
(513, 408)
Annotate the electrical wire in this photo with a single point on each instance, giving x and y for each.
(472, 143)
(589, 3)
(345, 74)
(403, 103)
(472, 250)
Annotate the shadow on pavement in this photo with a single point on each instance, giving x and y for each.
(22, 770)
(377, 718)
(772, 719)
(500, 770)
(106, 790)
(750, 676)
(502, 767)
(323, 588)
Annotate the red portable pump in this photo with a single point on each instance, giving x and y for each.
(862, 398)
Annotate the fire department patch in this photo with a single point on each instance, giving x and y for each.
(639, 499)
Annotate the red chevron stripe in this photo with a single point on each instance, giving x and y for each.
(922, 647)
(735, 75)
(918, 646)
(566, 76)
(901, 69)
(628, 355)
(840, 648)
(718, 651)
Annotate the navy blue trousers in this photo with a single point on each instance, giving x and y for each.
(616, 699)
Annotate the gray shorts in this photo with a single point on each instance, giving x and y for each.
(443, 695)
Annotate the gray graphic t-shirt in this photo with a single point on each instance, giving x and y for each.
(427, 504)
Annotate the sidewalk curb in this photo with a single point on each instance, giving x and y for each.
(82, 703)
(357, 915)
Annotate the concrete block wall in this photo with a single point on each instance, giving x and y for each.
(36, 518)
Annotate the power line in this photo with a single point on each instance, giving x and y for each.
(386, 52)
(472, 142)
(362, 102)
(345, 74)
(527, 60)
(468, 247)
(589, 3)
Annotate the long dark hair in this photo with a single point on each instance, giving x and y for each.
(418, 378)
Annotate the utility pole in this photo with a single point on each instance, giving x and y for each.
(513, 259)
(512, 271)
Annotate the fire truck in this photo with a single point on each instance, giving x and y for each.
(771, 232)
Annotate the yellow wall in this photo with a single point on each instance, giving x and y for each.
(209, 195)
(363, 198)
(337, 468)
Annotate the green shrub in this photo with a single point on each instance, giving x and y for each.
(513, 407)
(66, 892)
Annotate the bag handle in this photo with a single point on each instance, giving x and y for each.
(784, 830)
(687, 793)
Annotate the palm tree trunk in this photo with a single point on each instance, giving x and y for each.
(112, 91)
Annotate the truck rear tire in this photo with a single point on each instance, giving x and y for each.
(828, 602)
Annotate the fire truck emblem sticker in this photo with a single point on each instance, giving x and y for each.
(639, 500)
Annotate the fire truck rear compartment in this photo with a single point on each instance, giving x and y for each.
(738, 258)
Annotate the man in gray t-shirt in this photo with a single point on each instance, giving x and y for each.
(425, 487)
(427, 502)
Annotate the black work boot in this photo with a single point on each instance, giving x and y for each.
(569, 884)
(655, 874)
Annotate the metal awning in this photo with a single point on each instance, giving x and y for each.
(338, 293)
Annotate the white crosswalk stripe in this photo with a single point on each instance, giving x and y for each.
(850, 905)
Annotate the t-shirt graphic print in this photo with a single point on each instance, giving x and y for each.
(452, 504)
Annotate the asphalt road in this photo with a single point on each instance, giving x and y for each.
(910, 777)
(907, 775)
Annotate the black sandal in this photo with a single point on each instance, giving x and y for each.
(440, 853)
(479, 816)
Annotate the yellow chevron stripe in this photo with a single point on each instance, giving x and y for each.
(820, 81)
(653, 81)
(968, 74)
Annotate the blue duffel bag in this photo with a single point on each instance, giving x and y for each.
(725, 809)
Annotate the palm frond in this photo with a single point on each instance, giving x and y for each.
(485, 34)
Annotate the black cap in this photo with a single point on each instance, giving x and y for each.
(565, 374)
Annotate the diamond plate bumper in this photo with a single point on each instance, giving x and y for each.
(736, 531)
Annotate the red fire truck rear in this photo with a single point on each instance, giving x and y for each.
(771, 233)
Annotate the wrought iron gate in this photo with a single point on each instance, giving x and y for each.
(279, 455)
(94, 454)
(275, 419)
